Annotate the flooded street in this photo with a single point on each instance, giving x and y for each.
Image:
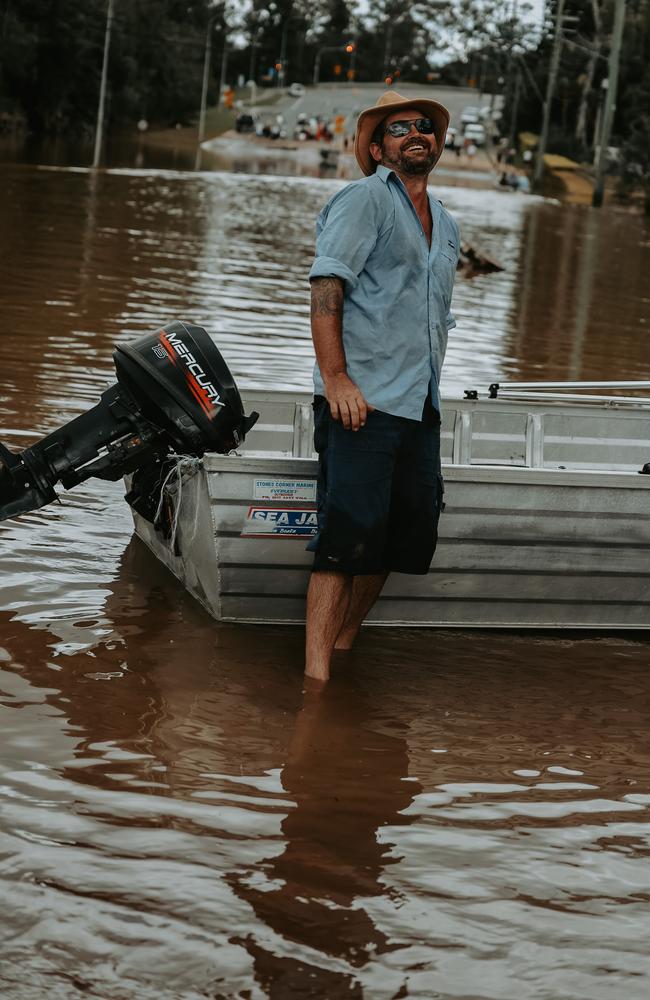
(458, 815)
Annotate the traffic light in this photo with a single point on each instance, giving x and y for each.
(350, 47)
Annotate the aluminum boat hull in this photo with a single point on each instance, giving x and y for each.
(546, 523)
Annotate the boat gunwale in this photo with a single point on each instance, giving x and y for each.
(511, 399)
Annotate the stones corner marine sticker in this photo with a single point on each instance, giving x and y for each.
(284, 489)
(267, 522)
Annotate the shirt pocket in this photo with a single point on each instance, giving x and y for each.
(444, 269)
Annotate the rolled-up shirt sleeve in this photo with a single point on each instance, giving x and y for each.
(450, 319)
(346, 234)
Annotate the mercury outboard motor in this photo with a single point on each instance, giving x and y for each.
(174, 394)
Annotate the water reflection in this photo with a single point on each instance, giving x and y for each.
(185, 777)
(449, 804)
(347, 779)
(581, 312)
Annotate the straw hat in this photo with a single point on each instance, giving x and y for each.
(389, 102)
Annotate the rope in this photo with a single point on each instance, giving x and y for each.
(183, 464)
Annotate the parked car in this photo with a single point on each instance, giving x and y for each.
(297, 90)
(475, 132)
(469, 115)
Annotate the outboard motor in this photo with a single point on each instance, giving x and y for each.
(174, 394)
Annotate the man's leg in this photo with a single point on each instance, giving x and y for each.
(328, 597)
(416, 498)
(364, 592)
(354, 495)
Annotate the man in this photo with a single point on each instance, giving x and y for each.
(381, 285)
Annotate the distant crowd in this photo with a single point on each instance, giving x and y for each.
(305, 129)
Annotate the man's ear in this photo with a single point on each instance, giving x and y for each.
(375, 151)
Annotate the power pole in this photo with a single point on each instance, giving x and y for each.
(325, 48)
(352, 68)
(207, 58)
(610, 103)
(515, 108)
(550, 91)
(99, 128)
(224, 67)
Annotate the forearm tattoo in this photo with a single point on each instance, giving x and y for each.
(326, 296)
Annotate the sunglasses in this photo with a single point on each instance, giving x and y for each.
(401, 128)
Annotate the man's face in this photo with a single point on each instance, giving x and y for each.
(412, 154)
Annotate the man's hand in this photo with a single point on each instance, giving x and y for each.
(346, 401)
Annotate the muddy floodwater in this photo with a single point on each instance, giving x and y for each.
(457, 815)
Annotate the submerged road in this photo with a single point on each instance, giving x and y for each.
(330, 100)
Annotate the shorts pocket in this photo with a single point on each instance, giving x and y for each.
(321, 423)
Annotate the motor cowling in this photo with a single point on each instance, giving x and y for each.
(174, 395)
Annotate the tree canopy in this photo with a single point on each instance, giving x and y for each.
(51, 58)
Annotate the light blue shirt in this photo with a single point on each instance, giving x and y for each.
(397, 291)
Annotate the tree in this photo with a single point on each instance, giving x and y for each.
(395, 40)
(51, 57)
(634, 107)
(635, 161)
(596, 42)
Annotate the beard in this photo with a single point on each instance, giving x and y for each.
(409, 165)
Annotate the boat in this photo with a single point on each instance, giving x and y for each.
(546, 522)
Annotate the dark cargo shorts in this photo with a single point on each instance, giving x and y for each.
(379, 493)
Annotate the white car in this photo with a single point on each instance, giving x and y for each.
(469, 115)
(476, 133)
(297, 90)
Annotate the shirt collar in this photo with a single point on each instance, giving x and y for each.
(383, 172)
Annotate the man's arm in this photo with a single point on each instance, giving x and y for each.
(346, 401)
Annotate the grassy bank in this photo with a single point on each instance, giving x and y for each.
(218, 120)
